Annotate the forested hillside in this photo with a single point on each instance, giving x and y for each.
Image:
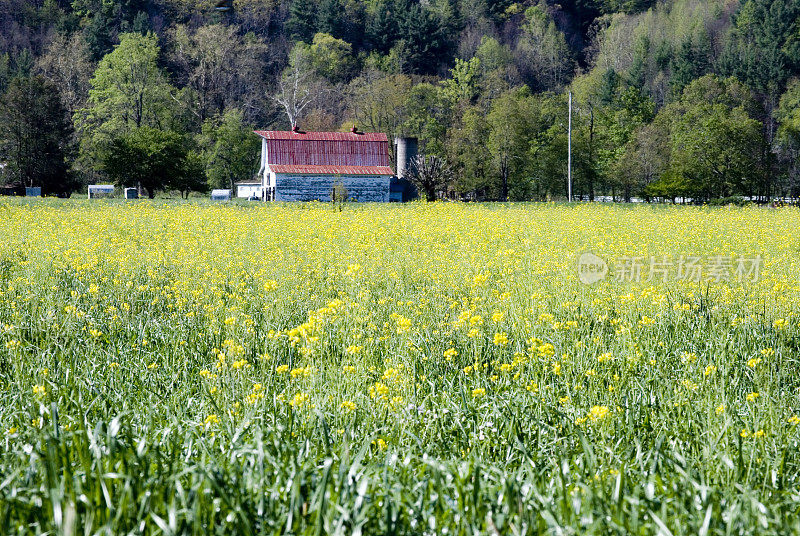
(672, 98)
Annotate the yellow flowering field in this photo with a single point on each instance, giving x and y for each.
(196, 368)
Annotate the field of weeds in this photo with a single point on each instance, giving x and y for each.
(185, 368)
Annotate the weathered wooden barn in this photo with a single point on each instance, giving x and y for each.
(307, 166)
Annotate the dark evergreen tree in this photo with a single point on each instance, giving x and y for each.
(302, 22)
(763, 46)
(424, 46)
(638, 68)
(98, 35)
(383, 28)
(330, 19)
(692, 60)
(609, 86)
(22, 64)
(141, 23)
(36, 138)
(497, 8)
(637, 6)
(583, 13)
(682, 67)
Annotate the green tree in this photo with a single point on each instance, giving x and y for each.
(762, 48)
(513, 122)
(645, 160)
(128, 90)
(98, 35)
(427, 114)
(384, 22)
(103, 21)
(788, 139)
(689, 61)
(331, 58)
(36, 138)
(549, 148)
(378, 102)
(193, 176)
(5, 71)
(466, 147)
(150, 158)
(330, 19)
(462, 86)
(616, 126)
(229, 149)
(715, 144)
(497, 73)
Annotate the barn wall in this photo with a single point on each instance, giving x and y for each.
(319, 187)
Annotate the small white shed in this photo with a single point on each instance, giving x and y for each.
(100, 190)
(248, 189)
(220, 195)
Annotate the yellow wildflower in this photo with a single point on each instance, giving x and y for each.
(603, 358)
(211, 420)
(500, 339)
(598, 413)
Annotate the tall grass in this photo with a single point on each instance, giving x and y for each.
(418, 369)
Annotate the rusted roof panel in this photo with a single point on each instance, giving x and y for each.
(330, 170)
(322, 136)
(339, 149)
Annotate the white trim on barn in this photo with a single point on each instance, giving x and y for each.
(267, 185)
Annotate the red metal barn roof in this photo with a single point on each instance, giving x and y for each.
(345, 153)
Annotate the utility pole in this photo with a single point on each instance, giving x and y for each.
(569, 151)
